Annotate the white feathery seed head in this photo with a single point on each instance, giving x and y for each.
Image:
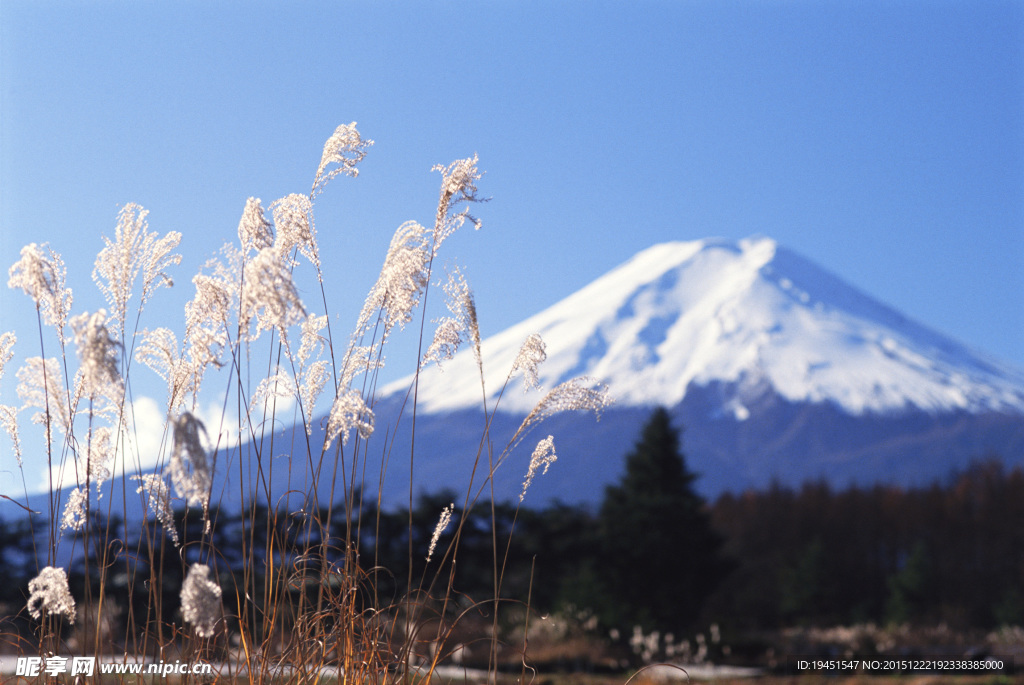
(312, 343)
(190, 469)
(360, 359)
(531, 355)
(279, 384)
(98, 353)
(133, 248)
(100, 453)
(201, 600)
(119, 261)
(313, 381)
(9, 414)
(217, 286)
(269, 294)
(254, 231)
(458, 186)
(41, 274)
(208, 314)
(159, 351)
(7, 341)
(442, 524)
(349, 411)
(158, 258)
(578, 394)
(462, 324)
(402, 279)
(49, 593)
(158, 499)
(41, 385)
(9, 422)
(543, 456)
(312, 377)
(75, 509)
(447, 338)
(345, 149)
(293, 218)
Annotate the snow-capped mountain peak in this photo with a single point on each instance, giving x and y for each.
(749, 314)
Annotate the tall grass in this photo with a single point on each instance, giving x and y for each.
(298, 587)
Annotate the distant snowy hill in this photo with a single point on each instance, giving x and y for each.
(752, 314)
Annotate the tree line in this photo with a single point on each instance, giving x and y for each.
(949, 553)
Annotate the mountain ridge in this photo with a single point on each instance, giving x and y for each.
(749, 312)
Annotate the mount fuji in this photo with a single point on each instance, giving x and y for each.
(776, 370)
(751, 314)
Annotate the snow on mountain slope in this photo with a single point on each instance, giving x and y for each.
(748, 313)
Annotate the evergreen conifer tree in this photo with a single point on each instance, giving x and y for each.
(660, 556)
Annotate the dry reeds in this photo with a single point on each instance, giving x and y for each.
(298, 592)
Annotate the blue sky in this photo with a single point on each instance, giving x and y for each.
(884, 140)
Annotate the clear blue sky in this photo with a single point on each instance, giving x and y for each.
(884, 140)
